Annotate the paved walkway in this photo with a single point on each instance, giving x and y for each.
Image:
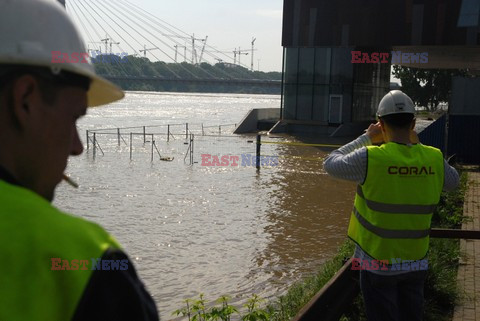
(469, 269)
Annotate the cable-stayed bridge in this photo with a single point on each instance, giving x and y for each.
(129, 44)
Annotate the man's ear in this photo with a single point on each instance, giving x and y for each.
(23, 92)
(382, 124)
(413, 123)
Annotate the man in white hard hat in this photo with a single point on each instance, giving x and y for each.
(399, 185)
(56, 267)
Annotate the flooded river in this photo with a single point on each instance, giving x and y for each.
(206, 229)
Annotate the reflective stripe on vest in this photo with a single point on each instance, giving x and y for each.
(390, 234)
(396, 208)
(393, 208)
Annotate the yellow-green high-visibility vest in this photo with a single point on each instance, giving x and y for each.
(394, 206)
(32, 232)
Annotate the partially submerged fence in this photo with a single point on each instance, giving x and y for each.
(215, 141)
(153, 134)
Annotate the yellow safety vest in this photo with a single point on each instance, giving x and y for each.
(32, 232)
(394, 206)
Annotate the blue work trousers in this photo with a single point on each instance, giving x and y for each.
(393, 298)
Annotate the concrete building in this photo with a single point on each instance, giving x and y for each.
(334, 70)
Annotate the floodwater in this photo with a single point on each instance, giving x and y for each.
(217, 230)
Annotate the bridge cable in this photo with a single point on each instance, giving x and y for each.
(135, 63)
(81, 3)
(75, 15)
(86, 29)
(106, 54)
(173, 32)
(187, 35)
(166, 66)
(218, 70)
(131, 13)
(170, 70)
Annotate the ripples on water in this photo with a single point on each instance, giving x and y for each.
(215, 230)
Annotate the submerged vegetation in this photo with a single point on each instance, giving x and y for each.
(197, 310)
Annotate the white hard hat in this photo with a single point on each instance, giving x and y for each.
(395, 102)
(31, 30)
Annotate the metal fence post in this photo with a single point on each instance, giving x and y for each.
(94, 144)
(257, 156)
(130, 145)
(153, 142)
(191, 152)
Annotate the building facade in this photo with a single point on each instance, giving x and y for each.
(331, 81)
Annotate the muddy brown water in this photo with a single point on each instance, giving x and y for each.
(207, 229)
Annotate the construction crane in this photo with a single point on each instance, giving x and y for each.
(106, 43)
(113, 43)
(218, 52)
(239, 53)
(145, 50)
(184, 52)
(95, 50)
(203, 49)
(194, 51)
(193, 39)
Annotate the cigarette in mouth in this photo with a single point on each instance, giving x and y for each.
(69, 181)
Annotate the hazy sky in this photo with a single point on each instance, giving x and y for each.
(228, 24)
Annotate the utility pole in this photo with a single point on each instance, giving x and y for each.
(253, 42)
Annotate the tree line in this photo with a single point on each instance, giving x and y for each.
(115, 65)
(427, 87)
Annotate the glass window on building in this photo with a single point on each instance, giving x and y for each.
(323, 57)
(304, 102)
(321, 95)
(291, 65)
(306, 60)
